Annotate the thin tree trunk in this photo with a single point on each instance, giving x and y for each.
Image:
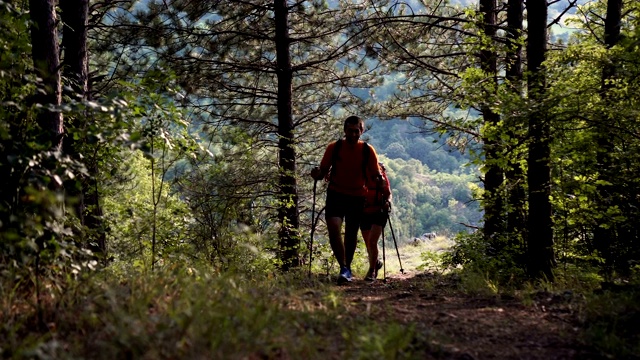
(540, 231)
(516, 196)
(46, 61)
(604, 234)
(74, 14)
(493, 204)
(288, 214)
(74, 47)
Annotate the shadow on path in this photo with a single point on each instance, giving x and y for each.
(470, 327)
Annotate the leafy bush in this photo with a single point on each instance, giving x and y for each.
(432, 261)
(190, 312)
(472, 253)
(611, 323)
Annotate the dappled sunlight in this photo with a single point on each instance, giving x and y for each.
(478, 326)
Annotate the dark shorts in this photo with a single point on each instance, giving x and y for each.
(369, 219)
(344, 206)
(347, 207)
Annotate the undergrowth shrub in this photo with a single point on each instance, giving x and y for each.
(472, 253)
(193, 312)
(580, 278)
(610, 322)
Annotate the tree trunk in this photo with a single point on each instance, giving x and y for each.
(75, 70)
(288, 214)
(540, 236)
(74, 47)
(493, 204)
(604, 234)
(46, 62)
(74, 14)
(516, 196)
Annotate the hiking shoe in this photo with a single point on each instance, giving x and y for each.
(371, 274)
(345, 275)
(378, 267)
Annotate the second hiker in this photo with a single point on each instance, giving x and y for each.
(347, 164)
(374, 219)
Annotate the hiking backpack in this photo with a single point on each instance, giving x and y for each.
(366, 153)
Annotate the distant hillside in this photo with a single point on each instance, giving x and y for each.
(398, 139)
(432, 183)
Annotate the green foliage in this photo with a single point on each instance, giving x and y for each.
(427, 201)
(595, 182)
(186, 312)
(610, 320)
(474, 282)
(432, 261)
(225, 72)
(577, 274)
(324, 262)
(229, 194)
(405, 140)
(396, 151)
(188, 171)
(472, 252)
(35, 240)
(129, 211)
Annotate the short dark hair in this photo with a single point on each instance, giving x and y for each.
(354, 120)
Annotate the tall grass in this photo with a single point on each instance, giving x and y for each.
(611, 323)
(192, 313)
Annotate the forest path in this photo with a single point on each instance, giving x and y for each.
(468, 327)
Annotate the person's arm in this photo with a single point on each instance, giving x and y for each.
(372, 165)
(319, 172)
(387, 187)
(386, 191)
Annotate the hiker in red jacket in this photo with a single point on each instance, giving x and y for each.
(374, 219)
(346, 164)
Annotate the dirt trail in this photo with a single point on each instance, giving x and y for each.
(471, 327)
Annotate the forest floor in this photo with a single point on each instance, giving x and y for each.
(192, 313)
(464, 326)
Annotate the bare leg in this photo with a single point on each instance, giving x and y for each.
(365, 235)
(372, 244)
(350, 240)
(334, 226)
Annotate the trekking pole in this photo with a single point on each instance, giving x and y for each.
(313, 224)
(384, 261)
(396, 244)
